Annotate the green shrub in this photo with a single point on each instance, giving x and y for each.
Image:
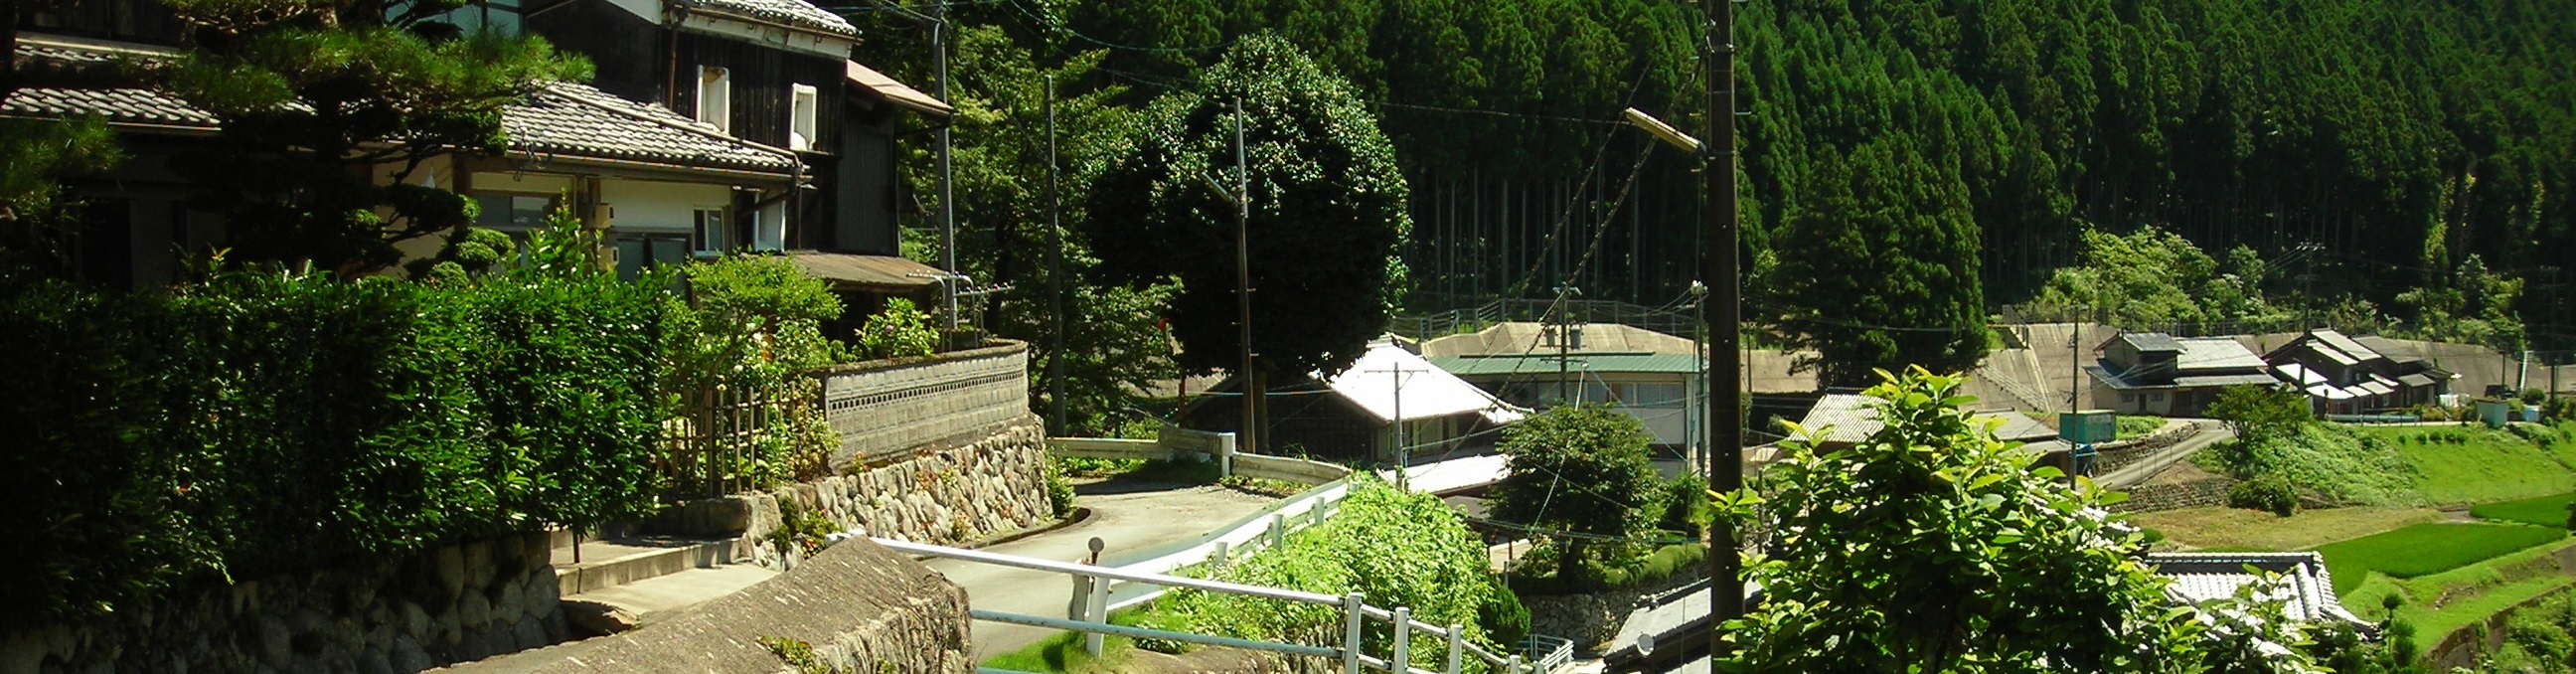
(1397, 548)
(2533, 396)
(2131, 427)
(900, 331)
(1059, 492)
(1686, 506)
(264, 423)
(1504, 617)
(2341, 464)
(2269, 493)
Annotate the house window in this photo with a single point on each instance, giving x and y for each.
(512, 212)
(2128, 397)
(800, 121)
(711, 227)
(1651, 395)
(2155, 397)
(715, 98)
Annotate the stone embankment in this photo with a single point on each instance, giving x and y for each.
(453, 604)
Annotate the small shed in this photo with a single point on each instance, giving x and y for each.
(1352, 415)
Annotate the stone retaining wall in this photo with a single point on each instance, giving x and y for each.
(2211, 491)
(2116, 455)
(453, 604)
(992, 485)
(1594, 618)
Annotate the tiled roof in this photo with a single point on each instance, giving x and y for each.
(2346, 345)
(133, 106)
(796, 13)
(2308, 595)
(573, 119)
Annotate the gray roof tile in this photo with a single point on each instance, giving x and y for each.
(574, 119)
(796, 13)
(133, 106)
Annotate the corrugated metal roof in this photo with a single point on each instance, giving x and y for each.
(1849, 418)
(2151, 341)
(2346, 344)
(2416, 380)
(895, 92)
(1546, 364)
(2331, 353)
(2215, 353)
(1371, 384)
(2226, 380)
(866, 271)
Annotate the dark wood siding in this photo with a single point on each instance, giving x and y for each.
(762, 85)
(628, 51)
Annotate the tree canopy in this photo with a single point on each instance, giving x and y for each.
(1933, 547)
(1580, 469)
(1327, 212)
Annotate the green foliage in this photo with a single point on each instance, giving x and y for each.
(1686, 506)
(2260, 413)
(2468, 305)
(1888, 208)
(795, 653)
(901, 331)
(2428, 548)
(2534, 397)
(2340, 464)
(2547, 511)
(2269, 493)
(2133, 427)
(1580, 469)
(564, 247)
(265, 423)
(2155, 277)
(38, 226)
(1396, 548)
(1060, 493)
(1932, 546)
(1505, 619)
(2478, 465)
(800, 529)
(329, 113)
(1325, 194)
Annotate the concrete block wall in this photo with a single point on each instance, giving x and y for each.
(885, 410)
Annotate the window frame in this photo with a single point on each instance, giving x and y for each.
(709, 224)
(804, 112)
(715, 97)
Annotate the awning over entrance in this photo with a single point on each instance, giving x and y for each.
(876, 273)
(895, 92)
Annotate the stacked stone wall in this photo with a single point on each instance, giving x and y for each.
(450, 605)
(2211, 491)
(993, 485)
(1592, 619)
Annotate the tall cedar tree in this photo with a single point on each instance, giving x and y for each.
(1327, 213)
(330, 110)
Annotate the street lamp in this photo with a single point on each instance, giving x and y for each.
(1724, 312)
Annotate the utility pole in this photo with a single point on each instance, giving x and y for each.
(947, 195)
(1055, 264)
(1565, 338)
(1724, 316)
(1248, 377)
(1403, 441)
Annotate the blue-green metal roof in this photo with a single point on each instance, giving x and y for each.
(1546, 363)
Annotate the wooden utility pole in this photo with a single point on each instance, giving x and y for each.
(1403, 443)
(1055, 266)
(947, 194)
(1724, 315)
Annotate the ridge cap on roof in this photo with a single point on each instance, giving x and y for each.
(585, 95)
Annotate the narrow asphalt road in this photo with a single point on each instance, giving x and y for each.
(2211, 433)
(1126, 516)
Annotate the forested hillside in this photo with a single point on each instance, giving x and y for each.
(2370, 148)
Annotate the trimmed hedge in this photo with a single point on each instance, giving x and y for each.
(264, 423)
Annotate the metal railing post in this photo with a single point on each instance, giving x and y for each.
(1403, 655)
(1457, 648)
(1352, 608)
(1099, 613)
(1278, 530)
(1515, 667)
(1219, 555)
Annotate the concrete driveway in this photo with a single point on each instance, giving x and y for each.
(1127, 516)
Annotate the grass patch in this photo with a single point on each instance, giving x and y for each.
(1062, 653)
(2130, 428)
(2547, 511)
(2475, 465)
(2217, 529)
(2425, 549)
(2344, 465)
(1187, 471)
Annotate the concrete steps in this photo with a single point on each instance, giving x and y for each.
(621, 561)
(652, 598)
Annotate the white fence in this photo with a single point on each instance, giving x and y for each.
(1355, 614)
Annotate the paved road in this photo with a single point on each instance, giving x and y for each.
(2211, 433)
(1128, 516)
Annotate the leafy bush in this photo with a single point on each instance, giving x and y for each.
(900, 331)
(2533, 396)
(1580, 469)
(1686, 506)
(2131, 427)
(1504, 617)
(264, 423)
(2269, 493)
(1396, 548)
(1059, 492)
(2338, 463)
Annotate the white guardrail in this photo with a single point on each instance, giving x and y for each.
(1355, 614)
